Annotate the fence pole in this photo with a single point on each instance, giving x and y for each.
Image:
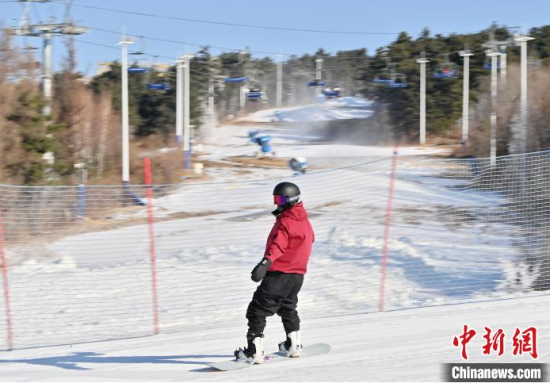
(4, 264)
(148, 182)
(387, 231)
(81, 206)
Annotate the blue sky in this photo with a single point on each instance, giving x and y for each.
(344, 15)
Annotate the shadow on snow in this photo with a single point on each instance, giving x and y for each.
(71, 362)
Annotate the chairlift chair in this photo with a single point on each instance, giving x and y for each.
(255, 93)
(160, 82)
(139, 67)
(446, 71)
(235, 80)
(254, 96)
(391, 79)
(158, 77)
(382, 79)
(317, 82)
(385, 77)
(399, 80)
(332, 92)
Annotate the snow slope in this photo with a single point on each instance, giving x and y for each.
(406, 345)
(331, 109)
(97, 285)
(287, 142)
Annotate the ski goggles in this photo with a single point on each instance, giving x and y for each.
(280, 200)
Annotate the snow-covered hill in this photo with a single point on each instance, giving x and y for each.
(343, 108)
(443, 250)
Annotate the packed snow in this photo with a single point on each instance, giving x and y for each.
(342, 108)
(405, 345)
(81, 290)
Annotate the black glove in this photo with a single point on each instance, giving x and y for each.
(258, 273)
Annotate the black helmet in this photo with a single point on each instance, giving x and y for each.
(287, 189)
(286, 195)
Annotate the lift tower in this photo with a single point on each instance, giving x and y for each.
(47, 31)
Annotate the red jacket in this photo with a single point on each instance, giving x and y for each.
(289, 243)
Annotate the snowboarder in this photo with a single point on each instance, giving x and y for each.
(282, 272)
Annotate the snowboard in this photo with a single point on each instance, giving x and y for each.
(230, 365)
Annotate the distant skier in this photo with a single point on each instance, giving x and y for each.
(282, 270)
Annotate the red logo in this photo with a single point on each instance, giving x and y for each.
(465, 338)
(495, 343)
(522, 342)
(526, 343)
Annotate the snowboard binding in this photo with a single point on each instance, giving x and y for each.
(292, 346)
(254, 353)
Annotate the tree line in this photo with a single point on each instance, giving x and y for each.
(84, 127)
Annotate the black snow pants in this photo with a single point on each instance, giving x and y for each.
(277, 294)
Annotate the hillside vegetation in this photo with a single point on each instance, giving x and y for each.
(85, 125)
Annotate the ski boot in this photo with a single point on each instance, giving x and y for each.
(254, 353)
(292, 346)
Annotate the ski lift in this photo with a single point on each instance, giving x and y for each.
(332, 92)
(235, 80)
(160, 82)
(138, 67)
(382, 79)
(235, 72)
(389, 77)
(398, 80)
(254, 96)
(446, 70)
(255, 93)
(158, 77)
(317, 82)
